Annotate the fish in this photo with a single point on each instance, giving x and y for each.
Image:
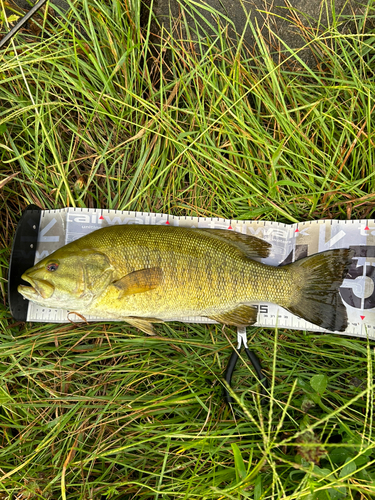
(143, 274)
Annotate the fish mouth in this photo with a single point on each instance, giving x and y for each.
(39, 289)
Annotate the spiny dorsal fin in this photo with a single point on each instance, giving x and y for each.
(250, 246)
(139, 281)
(240, 316)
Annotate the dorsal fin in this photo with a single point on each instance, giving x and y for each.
(250, 246)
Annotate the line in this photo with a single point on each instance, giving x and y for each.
(21, 22)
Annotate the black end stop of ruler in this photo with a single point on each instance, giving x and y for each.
(22, 258)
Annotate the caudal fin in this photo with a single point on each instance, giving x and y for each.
(316, 297)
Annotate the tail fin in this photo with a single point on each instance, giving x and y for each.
(316, 297)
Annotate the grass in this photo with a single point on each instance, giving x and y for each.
(92, 115)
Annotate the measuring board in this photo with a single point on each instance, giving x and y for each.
(41, 232)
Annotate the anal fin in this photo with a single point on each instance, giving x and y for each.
(143, 324)
(240, 316)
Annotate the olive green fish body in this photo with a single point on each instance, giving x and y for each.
(201, 275)
(164, 272)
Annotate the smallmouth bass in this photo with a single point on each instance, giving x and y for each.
(143, 274)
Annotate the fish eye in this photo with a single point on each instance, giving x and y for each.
(52, 266)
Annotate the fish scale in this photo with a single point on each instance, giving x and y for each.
(198, 282)
(211, 277)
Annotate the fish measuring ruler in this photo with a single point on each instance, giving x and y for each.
(52, 229)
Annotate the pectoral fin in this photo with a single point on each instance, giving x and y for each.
(240, 316)
(139, 281)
